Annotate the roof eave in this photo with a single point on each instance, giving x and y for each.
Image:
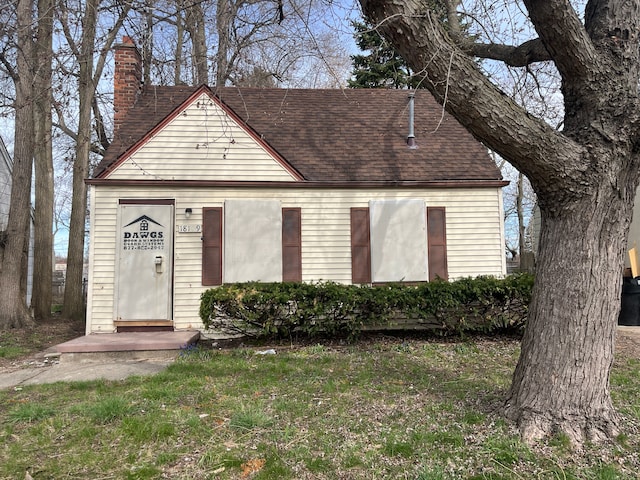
(476, 183)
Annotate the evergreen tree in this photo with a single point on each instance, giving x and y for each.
(383, 67)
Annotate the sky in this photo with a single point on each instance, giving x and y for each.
(333, 21)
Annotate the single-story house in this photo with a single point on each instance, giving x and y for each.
(203, 186)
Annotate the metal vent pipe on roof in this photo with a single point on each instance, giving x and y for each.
(411, 138)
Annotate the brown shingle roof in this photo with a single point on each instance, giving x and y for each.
(333, 135)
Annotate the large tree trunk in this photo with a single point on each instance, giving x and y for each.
(561, 382)
(585, 177)
(73, 291)
(43, 218)
(13, 308)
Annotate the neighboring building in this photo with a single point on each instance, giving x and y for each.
(5, 185)
(207, 186)
(633, 240)
(6, 167)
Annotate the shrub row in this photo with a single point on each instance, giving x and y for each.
(288, 310)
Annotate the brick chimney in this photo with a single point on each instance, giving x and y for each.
(127, 79)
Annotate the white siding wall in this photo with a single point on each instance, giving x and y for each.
(475, 240)
(202, 143)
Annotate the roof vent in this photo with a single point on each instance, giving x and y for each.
(411, 138)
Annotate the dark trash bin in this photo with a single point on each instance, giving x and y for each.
(630, 308)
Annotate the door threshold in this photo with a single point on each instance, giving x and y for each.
(143, 325)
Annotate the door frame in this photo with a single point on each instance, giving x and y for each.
(146, 325)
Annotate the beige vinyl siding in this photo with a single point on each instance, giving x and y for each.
(101, 274)
(203, 143)
(475, 241)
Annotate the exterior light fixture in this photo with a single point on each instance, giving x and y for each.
(187, 212)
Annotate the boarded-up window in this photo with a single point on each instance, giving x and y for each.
(437, 239)
(291, 245)
(212, 246)
(398, 240)
(360, 246)
(252, 241)
(398, 224)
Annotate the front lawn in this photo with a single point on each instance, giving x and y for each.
(380, 409)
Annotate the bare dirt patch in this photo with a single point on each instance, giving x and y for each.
(29, 345)
(628, 342)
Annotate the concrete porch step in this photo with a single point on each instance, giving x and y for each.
(127, 345)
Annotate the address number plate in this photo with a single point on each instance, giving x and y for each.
(189, 228)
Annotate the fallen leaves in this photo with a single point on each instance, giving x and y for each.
(252, 466)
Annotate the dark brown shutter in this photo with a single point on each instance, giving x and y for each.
(212, 246)
(291, 245)
(437, 242)
(360, 246)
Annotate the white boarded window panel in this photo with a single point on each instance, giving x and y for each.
(398, 240)
(252, 241)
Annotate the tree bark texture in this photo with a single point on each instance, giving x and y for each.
(148, 42)
(87, 81)
(224, 18)
(177, 72)
(561, 382)
(13, 308)
(195, 25)
(585, 178)
(73, 295)
(41, 298)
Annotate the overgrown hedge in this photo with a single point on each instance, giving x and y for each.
(288, 310)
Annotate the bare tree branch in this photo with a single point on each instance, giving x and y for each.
(8, 65)
(564, 37)
(531, 51)
(64, 128)
(99, 126)
(484, 110)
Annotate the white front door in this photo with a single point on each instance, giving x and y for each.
(144, 262)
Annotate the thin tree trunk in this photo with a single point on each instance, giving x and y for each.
(224, 17)
(177, 72)
(13, 308)
(561, 382)
(147, 46)
(73, 293)
(520, 213)
(43, 221)
(195, 25)
(87, 81)
(24, 277)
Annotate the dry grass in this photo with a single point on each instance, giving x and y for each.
(381, 409)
